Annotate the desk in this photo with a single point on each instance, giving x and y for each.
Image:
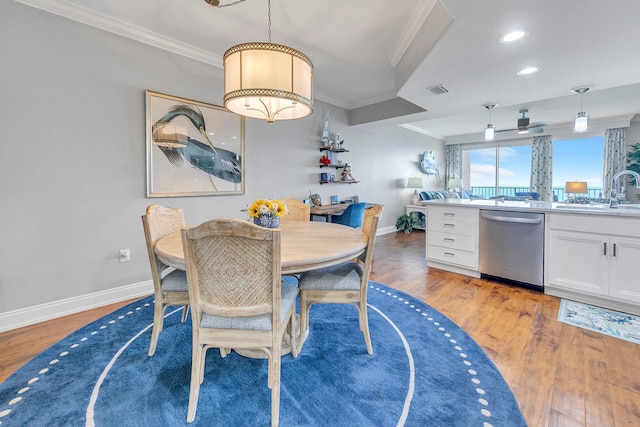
(328, 210)
(306, 245)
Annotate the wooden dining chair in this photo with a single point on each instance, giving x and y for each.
(345, 283)
(169, 285)
(238, 300)
(298, 211)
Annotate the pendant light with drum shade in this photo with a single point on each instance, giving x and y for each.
(264, 80)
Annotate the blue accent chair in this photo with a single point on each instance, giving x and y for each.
(352, 216)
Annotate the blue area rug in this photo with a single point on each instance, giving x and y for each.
(613, 323)
(425, 371)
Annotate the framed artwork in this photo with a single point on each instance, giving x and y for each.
(193, 148)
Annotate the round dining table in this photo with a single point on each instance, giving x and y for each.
(306, 245)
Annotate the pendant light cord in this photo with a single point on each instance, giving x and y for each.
(269, 16)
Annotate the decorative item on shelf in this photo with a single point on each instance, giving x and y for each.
(325, 132)
(324, 177)
(346, 173)
(414, 183)
(315, 199)
(325, 160)
(356, 199)
(429, 166)
(334, 200)
(267, 213)
(333, 177)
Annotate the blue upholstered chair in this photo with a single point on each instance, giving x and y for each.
(352, 216)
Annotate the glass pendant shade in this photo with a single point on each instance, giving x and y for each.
(489, 132)
(268, 81)
(581, 122)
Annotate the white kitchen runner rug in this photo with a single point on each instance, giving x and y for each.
(613, 323)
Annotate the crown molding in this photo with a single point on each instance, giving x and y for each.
(124, 29)
(418, 19)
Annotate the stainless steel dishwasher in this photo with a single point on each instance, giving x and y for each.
(512, 247)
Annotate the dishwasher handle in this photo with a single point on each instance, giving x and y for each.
(501, 218)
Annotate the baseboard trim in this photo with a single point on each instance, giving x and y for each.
(386, 230)
(39, 313)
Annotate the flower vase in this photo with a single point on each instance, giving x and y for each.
(267, 221)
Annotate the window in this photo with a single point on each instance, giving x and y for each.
(578, 160)
(513, 165)
(573, 160)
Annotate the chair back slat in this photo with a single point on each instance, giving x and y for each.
(233, 266)
(298, 211)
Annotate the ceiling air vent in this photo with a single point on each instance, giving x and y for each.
(438, 89)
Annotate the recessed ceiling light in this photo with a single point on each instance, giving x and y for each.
(513, 36)
(528, 70)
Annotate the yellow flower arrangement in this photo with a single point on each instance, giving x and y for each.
(267, 207)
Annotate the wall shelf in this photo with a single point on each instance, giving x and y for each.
(339, 182)
(333, 150)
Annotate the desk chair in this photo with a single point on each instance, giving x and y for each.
(352, 216)
(298, 211)
(345, 283)
(237, 298)
(171, 288)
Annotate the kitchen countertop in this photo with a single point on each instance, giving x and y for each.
(628, 210)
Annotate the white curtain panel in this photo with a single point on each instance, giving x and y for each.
(615, 151)
(541, 167)
(453, 163)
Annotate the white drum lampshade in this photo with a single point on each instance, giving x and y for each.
(268, 81)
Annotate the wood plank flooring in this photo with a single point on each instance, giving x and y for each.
(560, 375)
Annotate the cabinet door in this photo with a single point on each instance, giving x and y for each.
(625, 271)
(579, 261)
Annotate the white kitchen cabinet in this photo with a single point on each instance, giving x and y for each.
(594, 259)
(452, 239)
(625, 260)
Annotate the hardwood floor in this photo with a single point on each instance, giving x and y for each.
(560, 375)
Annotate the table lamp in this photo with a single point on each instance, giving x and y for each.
(414, 183)
(455, 184)
(575, 187)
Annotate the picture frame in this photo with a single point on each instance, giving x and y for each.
(192, 148)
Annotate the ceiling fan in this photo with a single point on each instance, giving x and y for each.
(524, 126)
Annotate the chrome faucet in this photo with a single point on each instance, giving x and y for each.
(613, 200)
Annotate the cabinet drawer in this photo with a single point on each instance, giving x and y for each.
(459, 226)
(454, 241)
(453, 212)
(453, 256)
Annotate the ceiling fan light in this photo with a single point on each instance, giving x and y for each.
(489, 132)
(523, 131)
(581, 122)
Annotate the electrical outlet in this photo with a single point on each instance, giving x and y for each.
(125, 255)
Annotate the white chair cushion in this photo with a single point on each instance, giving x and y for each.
(346, 276)
(260, 322)
(176, 281)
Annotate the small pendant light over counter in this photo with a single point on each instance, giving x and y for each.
(581, 121)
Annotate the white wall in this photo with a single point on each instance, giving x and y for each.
(73, 156)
